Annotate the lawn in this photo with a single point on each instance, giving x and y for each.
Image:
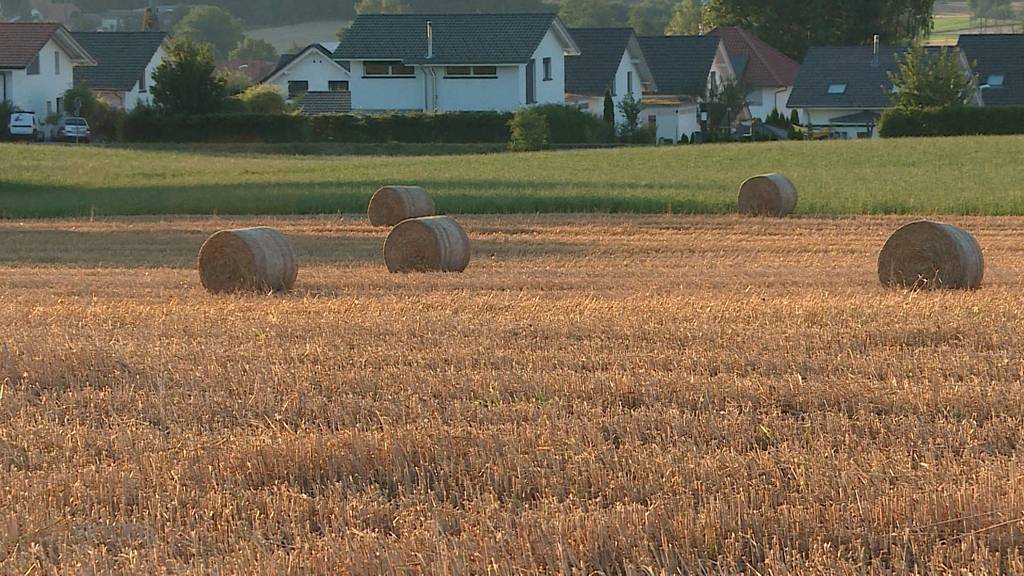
(979, 175)
(597, 394)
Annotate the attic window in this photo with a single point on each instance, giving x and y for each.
(996, 80)
(836, 89)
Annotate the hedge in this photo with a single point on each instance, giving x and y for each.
(567, 126)
(958, 121)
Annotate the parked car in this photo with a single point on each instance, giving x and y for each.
(25, 126)
(73, 129)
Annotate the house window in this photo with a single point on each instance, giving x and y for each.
(996, 80)
(471, 72)
(388, 69)
(33, 67)
(143, 87)
(836, 89)
(297, 88)
(337, 85)
(56, 62)
(629, 82)
(713, 81)
(49, 107)
(652, 120)
(547, 69)
(60, 105)
(755, 97)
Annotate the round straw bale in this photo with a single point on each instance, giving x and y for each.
(930, 255)
(432, 244)
(247, 260)
(392, 204)
(767, 195)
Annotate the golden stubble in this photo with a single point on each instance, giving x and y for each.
(631, 395)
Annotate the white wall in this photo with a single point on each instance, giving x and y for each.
(673, 121)
(137, 96)
(382, 94)
(820, 118)
(32, 93)
(626, 67)
(499, 94)
(763, 100)
(549, 91)
(313, 67)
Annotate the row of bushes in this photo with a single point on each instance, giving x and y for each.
(956, 121)
(566, 126)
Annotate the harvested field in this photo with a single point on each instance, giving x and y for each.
(599, 393)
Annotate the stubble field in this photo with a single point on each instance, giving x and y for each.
(600, 394)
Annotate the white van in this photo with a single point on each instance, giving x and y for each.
(24, 126)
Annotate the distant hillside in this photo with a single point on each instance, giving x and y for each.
(284, 37)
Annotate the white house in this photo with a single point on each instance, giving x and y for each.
(610, 61)
(314, 69)
(765, 72)
(843, 90)
(686, 69)
(125, 63)
(456, 62)
(37, 61)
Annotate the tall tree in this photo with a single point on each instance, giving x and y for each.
(650, 17)
(213, 26)
(184, 82)
(793, 26)
(254, 49)
(588, 13)
(686, 19)
(931, 80)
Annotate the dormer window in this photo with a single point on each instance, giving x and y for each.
(836, 89)
(996, 80)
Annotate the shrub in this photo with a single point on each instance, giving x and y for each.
(954, 121)
(263, 99)
(529, 130)
(146, 125)
(5, 116)
(448, 127)
(570, 125)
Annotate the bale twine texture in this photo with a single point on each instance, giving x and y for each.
(392, 204)
(929, 255)
(432, 244)
(767, 195)
(248, 260)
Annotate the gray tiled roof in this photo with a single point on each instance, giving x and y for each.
(680, 64)
(121, 58)
(314, 103)
(601, 50)
(867, 85)
(997, 54)
(458, 38)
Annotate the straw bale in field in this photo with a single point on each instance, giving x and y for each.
(432, 244)
(248, 260)
(392, 204)
(930, 255)
(767, 195)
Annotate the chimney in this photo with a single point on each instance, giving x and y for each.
(430, 39)
(874, 60)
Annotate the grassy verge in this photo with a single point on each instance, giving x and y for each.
(974, 175)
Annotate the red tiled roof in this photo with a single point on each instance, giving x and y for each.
(21, 41)
(767, 66)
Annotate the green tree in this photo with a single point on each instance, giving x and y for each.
(724, 105)
(609, 108)
(588, 13)
(686, 19)
(629, 130)
(529, 130)
(235, 82)
(254, 49)
(926, 80)
(213, 26)
(650, 17)
(81, 93)
(184, 82)
(793, 26)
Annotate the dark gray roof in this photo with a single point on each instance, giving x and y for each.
(121, 58)
(867, 85)
(286, 59)
(997, 54)
(739, 63)
(314, 103)
(864, 117)
(680, 64)
(458, 38)
(601, 50)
